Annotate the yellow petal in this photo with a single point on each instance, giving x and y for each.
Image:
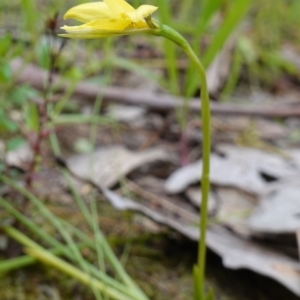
(111, 24)
(82, 35)
(146, 10)
(89, 11)
(84, 32)
(96, 34)
(141, 12)
(119, 6)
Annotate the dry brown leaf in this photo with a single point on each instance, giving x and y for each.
(194, 195)
(228, 207)
(239, 253)
(237, 167)
(234, 209)
(107, 165)
(236, 252)
(122, 203)
(279, 210)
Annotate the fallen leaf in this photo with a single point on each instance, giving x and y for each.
(194, 195)
(234, 209)
(239, 253)
(227, 206)
(236, 252)
(295, 155)
(235, 167)
(107, 165)
(279, 210)
(122, 203)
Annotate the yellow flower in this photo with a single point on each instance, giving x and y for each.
(107, 18)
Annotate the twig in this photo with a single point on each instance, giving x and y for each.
(162, 201)
(31, 74)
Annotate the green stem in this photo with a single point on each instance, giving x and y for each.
(171, 34)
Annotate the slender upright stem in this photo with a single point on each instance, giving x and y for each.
(174, 36)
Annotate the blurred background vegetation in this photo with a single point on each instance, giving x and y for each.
(258, 32)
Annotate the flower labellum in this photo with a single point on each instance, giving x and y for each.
(108, 18)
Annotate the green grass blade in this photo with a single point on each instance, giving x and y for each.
(169, 48)
(81, 119)
(109, 254)
(30, 14)
(65, 251)
(25, 260)
(208, 9)
(237, 12)
(48, 258)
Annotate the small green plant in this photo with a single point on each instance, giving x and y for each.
(102, 285)
(117, 17)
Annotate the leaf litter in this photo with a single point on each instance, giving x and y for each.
(237, 167)
(247, 184)
(251, 194)
(243, 197)
(107, 165)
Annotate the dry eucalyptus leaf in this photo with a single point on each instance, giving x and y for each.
(122, 203)
(224, 172)
(194, 195)
(234, 209)
(228, 206)
(107, 165)
(278, 165)
(236, 252)
(295, 156)
(235, 167)
(239, 253)
(279, 210)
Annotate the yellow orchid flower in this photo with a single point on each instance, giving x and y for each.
(117, 17)
(107, 18)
